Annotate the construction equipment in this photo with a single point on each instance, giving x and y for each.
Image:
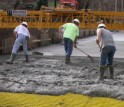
(57, 17)
(49, 18)
(70, 3)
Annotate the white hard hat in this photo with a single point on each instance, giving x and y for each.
(101, 25)
(25, 23)
(76, 20)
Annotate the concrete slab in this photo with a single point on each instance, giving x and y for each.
(88, 45)
(51, 76)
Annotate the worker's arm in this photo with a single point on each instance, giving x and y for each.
(60, 28)
(98, 39)
(15, 34)
(75, 41)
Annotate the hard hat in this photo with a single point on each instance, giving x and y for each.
(25, 23)
(76, 20)
(101, 25)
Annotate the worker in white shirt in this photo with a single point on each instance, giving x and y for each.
(22, 35)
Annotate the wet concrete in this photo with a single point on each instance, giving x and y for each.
(49, 75)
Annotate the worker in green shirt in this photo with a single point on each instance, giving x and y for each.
(71, 32)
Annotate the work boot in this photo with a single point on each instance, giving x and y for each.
(67, 59)
(102, 71)
(27, 58)
(11, 59)
(111, 70)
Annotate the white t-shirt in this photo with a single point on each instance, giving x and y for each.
(20, 29)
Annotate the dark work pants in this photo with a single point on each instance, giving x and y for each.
(107, 55)
(68, 45)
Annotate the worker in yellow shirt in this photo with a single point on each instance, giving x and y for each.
(71, 32)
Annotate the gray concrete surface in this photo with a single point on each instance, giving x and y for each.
(50, 75)
(88, 45)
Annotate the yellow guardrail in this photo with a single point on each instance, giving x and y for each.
(55, 18)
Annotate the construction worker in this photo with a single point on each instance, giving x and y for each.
(22, 35)
(107, 46)
(71, 32)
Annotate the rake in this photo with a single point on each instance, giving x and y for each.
(91, 58)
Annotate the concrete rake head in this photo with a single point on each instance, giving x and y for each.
(91, 58)
(37, 53)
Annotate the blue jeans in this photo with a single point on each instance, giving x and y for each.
(68, 45)
(20, 40)
(107, 55)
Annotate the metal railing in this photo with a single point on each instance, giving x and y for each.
(55, 18)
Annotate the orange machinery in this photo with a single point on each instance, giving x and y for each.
(70, 3)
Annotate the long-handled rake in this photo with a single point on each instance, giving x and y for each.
(91, 58)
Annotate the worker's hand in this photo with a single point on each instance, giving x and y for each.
(15, 38)
(75, 46)
(97, 41)
(60, 29)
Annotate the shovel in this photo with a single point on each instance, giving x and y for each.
(91, 58)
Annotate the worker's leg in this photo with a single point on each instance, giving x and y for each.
(69, 47)
(111, 70)
(24, 44)
(111, 55)
(65, 44)
(66, 48)
(110, 61)
(102, 71)
(12, 58)
(69, 50)
(14, 51)
(16, 46)
(104, 56)
(103, 59)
